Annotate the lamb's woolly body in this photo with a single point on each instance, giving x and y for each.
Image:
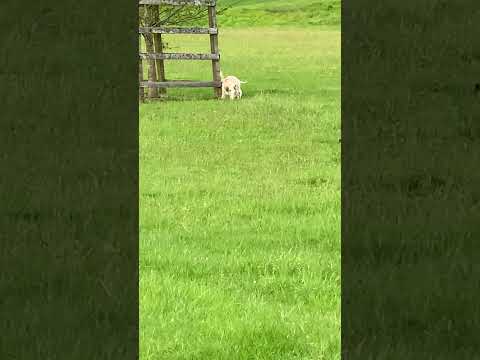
(231, 86)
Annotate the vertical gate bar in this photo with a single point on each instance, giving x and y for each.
(160, 64)
(212, 22)
(141, 90)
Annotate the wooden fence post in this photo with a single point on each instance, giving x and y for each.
(141, 90)
(212, 23)
(160, 64)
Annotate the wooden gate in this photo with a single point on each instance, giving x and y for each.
(159, 56)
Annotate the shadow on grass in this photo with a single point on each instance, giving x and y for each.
(201, 97)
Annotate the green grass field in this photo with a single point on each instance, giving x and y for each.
(240, 203)
(280, 12)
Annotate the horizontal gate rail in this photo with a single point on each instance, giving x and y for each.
(177, 30)
(180, 84)
(179, 56)
(178, 2)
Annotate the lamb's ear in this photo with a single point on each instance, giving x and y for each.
(243, 82)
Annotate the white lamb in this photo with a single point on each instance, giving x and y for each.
(231, 87)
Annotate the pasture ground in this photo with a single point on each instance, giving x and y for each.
(240, 204)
